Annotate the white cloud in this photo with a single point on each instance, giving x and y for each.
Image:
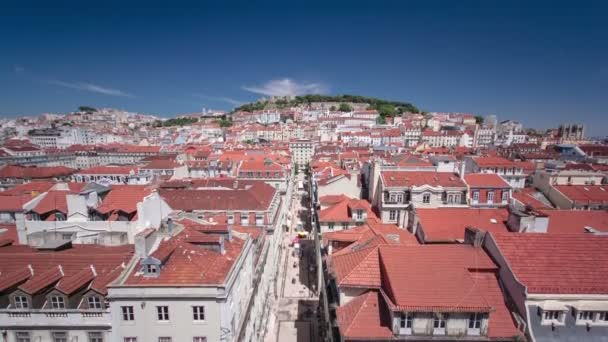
(220, 99)
(286, 87)
(93, 88)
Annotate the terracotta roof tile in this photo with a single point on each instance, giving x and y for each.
(557, 263)
(420, 178)
(449, 224)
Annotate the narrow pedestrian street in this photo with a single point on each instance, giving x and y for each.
(297, 305)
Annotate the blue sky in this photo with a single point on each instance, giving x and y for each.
(538, 62)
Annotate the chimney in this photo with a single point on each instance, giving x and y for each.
(462, 170)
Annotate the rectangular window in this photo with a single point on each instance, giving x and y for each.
(505, 196)
(405, 321)
(475, 195)
(21, 302)
(95, 336)
(585, 316)
(60, 336)
(330, 226)
(439, 321)
(426, 198)
(490, 196)
(151, 269)
(392, 215)
(245, 219)
(198, 313)
(130, 339)
(162, 313)
(475, 321)
(22, 336)
(359, 214)
(552, 316)
(603, 316)
(94, 302)
(164, 339)
(199, 339)
(127, 313)
(57, 302)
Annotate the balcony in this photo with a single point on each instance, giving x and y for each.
(55, 318)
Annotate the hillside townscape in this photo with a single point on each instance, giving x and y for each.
(301, 218)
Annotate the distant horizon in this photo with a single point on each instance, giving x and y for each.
(540, 63)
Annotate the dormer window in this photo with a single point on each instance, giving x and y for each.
(151, 269)
(405, 323)
(490, 196)
(475, 320)
(94, 302)
(57, 302)
(439, 323)
(230, 219)
(359, 214)
(426, 198)
(553, 317)
(21, 302)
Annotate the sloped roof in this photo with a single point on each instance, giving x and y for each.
(557, 263)
(186, 263)
(485, 180)
(446, 267)
(365, 317)
(258, 197)
(575, 221)
(449, 224)
(420, 178)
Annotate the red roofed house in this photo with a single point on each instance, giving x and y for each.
(399, 192)
(510, 171)
(107, 175)
(487, 190)
(91, 213)
(387, 292)
(197, 284)
(265, 169)
(448, 225)
(345, 214)
(58, 291)
(573, 189)
(557, 282)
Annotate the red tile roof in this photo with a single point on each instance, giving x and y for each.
(449, 224)
(420, 178)
(585, 193)
(123, 198)
(342, 211)
(187, 263)
(557, 263)
(54, 200)
(447, 267)
(16, 261)
(8, 231)
(33, 172)
(575, 221)
(485, 180)
(525, 196)
(32, 188)
(365, 318)
(13, 203)
(493, 162)
(257, 198)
